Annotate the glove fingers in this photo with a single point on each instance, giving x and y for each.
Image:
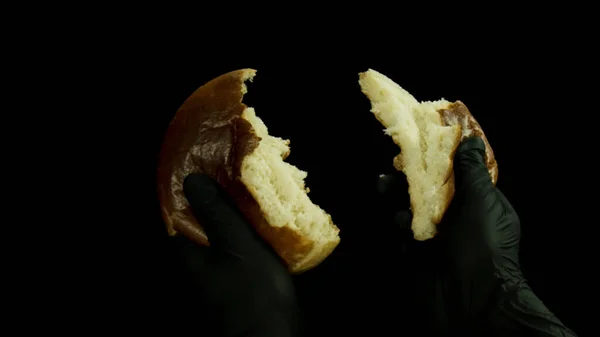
(392, 193)
(192, 255)
(471, 173)
(393, 202)
(403, 220)
(392, 183)
(225, 226)
(510, 215)
(507, 206)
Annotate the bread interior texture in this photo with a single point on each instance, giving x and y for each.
(427, 147)
(279, 189)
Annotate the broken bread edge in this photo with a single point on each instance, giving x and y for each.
(213, 133)
(428, 134)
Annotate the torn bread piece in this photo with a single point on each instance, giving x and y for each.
(279, 189)
(428, 134)
(214, 133)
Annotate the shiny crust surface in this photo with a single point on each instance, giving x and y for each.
(457, 113)
(209, 136)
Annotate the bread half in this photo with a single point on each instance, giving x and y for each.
(428, 134)
(214, 133)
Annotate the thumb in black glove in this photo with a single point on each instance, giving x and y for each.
(480, 238)
(481, 230)
(239, 283)
(479, 281)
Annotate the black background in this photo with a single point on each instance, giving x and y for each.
(311, 96)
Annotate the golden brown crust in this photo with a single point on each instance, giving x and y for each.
(316, 260)
(457, 113)
(208, 135)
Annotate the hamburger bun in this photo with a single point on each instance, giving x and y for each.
(428, 134)
(215, 134)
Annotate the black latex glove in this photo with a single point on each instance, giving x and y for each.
(238, 286)
(479, 288)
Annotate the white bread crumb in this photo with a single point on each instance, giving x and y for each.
(279, 189)
(427, 147)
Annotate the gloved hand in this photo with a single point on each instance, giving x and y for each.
(239, 285)
(479, 288)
